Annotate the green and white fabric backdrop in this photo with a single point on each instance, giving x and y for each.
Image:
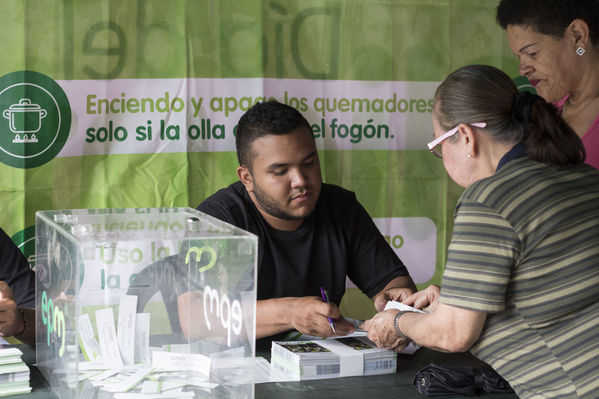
(133, 104)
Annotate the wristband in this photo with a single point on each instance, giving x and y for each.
(396, 326)
(24, 322)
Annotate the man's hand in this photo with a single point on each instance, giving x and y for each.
(309, 316)
(427, 298)
(382, 332)
(392, 294)
(11, 322)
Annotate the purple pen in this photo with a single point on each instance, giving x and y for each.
(325, 299)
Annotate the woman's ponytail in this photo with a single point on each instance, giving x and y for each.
(548, 138)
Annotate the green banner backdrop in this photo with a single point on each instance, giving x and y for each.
(133, 104)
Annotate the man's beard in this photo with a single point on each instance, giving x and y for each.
(269, 205)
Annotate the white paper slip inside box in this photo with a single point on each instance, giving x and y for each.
(129, 382)
(126, 328)
(164, 395)
(90, 348)
(108, 339)
(142, 338)
(181, 361)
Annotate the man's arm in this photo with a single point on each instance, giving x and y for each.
(14, 320)
(307, 315)
(397, 289)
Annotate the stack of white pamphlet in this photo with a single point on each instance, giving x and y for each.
(14, 373)
(331, 358)
(304, 357)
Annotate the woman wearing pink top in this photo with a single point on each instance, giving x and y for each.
(557, 43)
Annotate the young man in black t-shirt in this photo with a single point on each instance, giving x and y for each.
(311, 234)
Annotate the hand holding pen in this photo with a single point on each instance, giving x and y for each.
(325, 299)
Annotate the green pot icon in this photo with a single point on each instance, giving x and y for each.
(37, 119)
(24, 118)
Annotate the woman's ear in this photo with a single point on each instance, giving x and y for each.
(578, 32)
(468, 139)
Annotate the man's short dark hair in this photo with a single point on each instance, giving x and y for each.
(263, 119)
(550, 17)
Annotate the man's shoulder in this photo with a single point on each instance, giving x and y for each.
(231, 204)
(336, 199)
(232, 195)
(334, 192)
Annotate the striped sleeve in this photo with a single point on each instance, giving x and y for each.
(482, 252)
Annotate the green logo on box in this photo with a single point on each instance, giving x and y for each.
(36, 119)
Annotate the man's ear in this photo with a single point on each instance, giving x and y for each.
(246, 178)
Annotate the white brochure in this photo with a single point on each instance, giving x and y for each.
(171, 361)
(126, 328)
(89, 346)
(351, 361)
(164, 395)
(402, 307)
(142, 338)
(108, 341)
(129, 382)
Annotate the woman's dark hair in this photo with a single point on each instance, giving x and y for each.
(263, 119)
(550, 17)
(482, 93)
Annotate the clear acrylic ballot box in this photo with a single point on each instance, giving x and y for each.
(156, 302)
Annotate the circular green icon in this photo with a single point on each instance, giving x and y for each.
(35, 119)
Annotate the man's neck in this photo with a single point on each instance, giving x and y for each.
(281, 224)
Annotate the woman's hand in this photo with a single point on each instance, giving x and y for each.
(382, 332)
(427, 298)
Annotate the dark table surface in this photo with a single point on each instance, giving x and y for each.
(398, 385)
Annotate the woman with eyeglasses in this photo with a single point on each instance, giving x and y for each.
(520, 288)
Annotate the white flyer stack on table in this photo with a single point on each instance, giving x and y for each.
(14, 373)
(331, 358)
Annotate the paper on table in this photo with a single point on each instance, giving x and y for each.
(10, 351)
(351, 361)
